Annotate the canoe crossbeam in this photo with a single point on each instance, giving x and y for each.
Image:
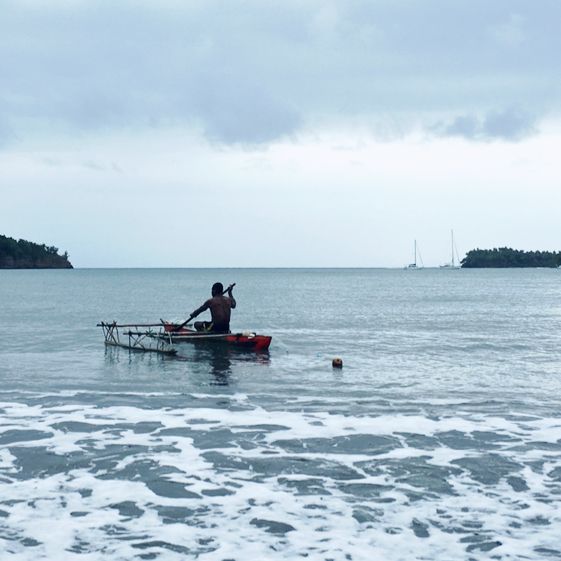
(136, 337)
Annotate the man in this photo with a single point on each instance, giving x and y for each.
(220, 307)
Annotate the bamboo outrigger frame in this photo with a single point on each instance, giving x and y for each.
(139, 337)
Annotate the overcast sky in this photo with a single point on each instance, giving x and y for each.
(296, 133)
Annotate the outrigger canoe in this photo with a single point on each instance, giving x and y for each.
(245, 340)
(162, 337)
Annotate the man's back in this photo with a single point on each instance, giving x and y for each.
(220, 307)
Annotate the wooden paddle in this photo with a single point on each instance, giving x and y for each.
(191, 316)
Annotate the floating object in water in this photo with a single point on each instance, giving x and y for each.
(337, 362)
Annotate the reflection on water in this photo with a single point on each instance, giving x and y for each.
(221, 365)
(218, 360)
(120, 355)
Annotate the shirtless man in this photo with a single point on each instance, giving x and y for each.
(220, 307)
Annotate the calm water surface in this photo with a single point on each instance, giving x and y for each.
(440, 439)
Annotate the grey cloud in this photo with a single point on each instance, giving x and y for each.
(93, 110)
(509, 125)
(245, 114)
(467, 126)
(511, 32)
(245, 123)
(254, 72)
(112, 167)
(7, 134)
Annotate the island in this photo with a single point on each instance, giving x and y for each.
(504, 257)
(21, 254)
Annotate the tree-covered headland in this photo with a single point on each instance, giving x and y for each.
(504, 257)
(21, 254)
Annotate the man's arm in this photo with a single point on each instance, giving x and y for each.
(231, 296)
(200, 310)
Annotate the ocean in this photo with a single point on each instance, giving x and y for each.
(439, 439)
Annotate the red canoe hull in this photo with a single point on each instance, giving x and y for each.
(250, 341)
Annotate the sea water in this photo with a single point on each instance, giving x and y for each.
(440, 439)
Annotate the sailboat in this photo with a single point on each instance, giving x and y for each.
(454, 251)
(415, 253)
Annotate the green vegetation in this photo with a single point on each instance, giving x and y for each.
(506, 257)
(22, 254)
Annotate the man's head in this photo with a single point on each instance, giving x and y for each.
(217, 289)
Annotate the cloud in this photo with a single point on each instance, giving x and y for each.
(255, 73)
(244, 114)
(7, 134)
(97, 166)
(509, 125)
(511, 32)
(466, 126)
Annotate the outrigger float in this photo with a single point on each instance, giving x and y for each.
(162, 337)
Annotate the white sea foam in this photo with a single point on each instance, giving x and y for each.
(221, 484)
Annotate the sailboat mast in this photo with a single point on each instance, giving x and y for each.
(452, 237)
(415, 256)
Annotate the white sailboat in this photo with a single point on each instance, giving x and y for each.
(452, 264)
(415, 253)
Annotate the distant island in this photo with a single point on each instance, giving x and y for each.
(21, 254)
(504, 257)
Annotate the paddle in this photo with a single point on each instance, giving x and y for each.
(191, 316)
